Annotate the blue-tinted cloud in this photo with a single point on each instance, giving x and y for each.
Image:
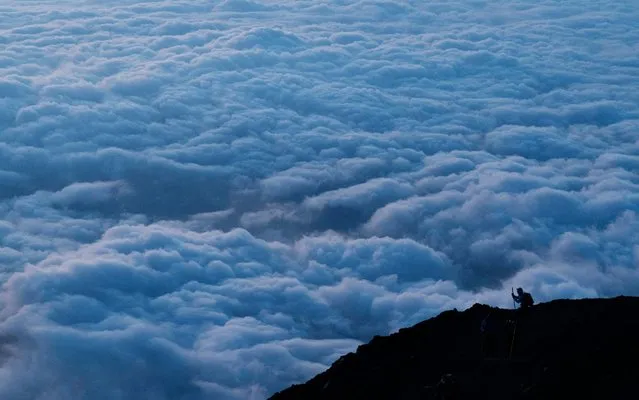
(222, 197)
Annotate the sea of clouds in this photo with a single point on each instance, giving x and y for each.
(217, 199)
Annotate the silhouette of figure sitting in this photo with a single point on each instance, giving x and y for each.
(524, 299)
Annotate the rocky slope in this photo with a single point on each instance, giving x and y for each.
(562, 349)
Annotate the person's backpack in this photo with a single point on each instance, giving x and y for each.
(527, 300)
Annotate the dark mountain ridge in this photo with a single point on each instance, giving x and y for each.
(564, 349)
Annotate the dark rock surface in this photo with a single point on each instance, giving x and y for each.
(568, 349)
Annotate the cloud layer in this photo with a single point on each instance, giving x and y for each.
(216, 199)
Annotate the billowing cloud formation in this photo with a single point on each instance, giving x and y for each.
(215, 199)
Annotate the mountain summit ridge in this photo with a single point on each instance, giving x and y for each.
(586, 348)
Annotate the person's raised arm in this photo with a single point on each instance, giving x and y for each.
(515, 297)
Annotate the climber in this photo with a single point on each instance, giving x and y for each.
(524, 299)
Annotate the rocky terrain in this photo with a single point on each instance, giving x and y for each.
(568, 349)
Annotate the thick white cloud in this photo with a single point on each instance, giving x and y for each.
(221, 197)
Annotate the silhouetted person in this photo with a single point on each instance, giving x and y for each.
(524, 299)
